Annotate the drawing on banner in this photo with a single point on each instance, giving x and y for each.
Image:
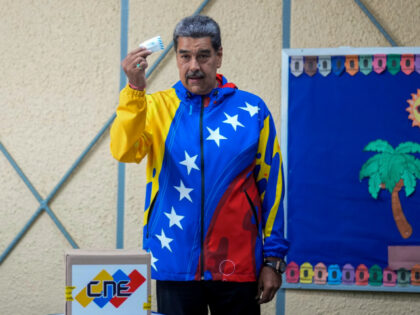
(393, 169)
(414, 108)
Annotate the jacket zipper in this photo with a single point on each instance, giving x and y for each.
(149, 215)
(202, 188)
(254, 211)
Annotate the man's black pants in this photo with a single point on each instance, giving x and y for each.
(193, 297)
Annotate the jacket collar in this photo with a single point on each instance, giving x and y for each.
(223, 89)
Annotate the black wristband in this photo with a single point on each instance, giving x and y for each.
(278, 265)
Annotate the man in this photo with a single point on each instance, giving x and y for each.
(214, 216)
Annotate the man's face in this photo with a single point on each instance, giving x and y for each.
(197, 63)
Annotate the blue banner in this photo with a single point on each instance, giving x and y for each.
(341, 206)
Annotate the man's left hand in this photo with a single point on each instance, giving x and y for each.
(268, 284)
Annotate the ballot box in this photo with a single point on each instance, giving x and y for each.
(108, 282)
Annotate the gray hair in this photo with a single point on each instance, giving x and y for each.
(198, 26)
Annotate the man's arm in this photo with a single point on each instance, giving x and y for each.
(129, 141)
(271, 188)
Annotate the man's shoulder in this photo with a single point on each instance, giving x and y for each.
(165, 98)
(168, 93)
(252, 100)
(249, 96)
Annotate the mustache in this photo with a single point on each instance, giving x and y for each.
(195, 75)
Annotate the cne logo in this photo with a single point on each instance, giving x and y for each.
(104, 288)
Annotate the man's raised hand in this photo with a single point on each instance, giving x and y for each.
(135, 65)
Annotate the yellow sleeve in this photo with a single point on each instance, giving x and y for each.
(130, 141)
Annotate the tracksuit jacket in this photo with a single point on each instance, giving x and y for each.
(214, 194)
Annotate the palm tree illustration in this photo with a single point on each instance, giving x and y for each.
(393, 169)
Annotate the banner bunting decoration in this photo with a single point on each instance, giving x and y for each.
(306, 273)
(407, 63)
(337, 63)
(353, 64)
(365, 64)
(296, 65)
(417, 63)
(310, 65)
(334, 274)
(393, 64)
(379, 63)
(349, 275)
(324, 65)
(320, 273)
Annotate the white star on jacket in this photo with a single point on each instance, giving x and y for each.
(164, 241)
(189, 162)
(252, 110)
(233, 121)
(153, 260)
(215, 136)
(174, 219)
(184, 192)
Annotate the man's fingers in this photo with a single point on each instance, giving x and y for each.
(141, 65)
(140, 52)
(135, 57)
(260, 291)
(267, 295)
(143, 54)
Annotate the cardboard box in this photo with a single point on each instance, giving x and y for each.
(108, 282)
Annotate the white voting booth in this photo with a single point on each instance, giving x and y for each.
(108, 282)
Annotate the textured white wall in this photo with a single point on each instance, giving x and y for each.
(60, 84)
(335, 23)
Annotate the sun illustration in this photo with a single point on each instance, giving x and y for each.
(414, 109)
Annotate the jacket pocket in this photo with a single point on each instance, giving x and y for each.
(254, 211)
(149, 215)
